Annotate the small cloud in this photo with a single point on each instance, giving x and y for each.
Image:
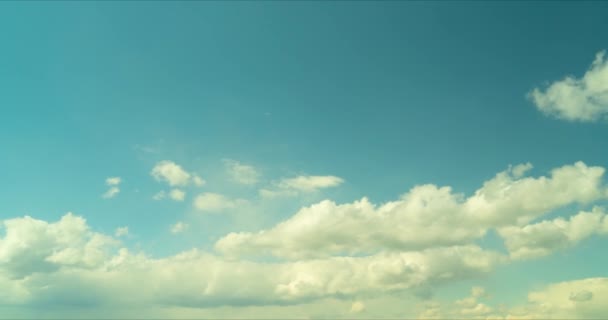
(584, 99)
(159, 196)
(179, 227)
(198, 181)
(171, 173)
(113, 183)
(300, 184)
(241, 173)
(121, 231)
(111, 193)
(216, 202)
(177, 195)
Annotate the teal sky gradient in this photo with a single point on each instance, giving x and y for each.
(386, 95)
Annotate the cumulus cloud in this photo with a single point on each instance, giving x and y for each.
(584, 99)
(427, 216)
(241, 173)
(64, 263)
(300, 184)
(543, 238)
(113, 183)
(34, 246)
(174, 174)
(160, 195)
(215, 202)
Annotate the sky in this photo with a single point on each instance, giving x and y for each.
(344, 160)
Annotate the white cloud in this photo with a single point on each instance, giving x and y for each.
(543, 238)
(215, 202)
(160, 195)
(31, 245)
(300, 184)
(111, 193)
(173, 174)
(177, 195)
(241, 173)
(198, 181)
(113, 183)
(64, 263)
(121, 231)
(584, 99)
(427, 216)
(179, 227)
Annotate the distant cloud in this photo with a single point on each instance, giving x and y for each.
(160, 195)
(178, 227)
(121, 231)
(300, 184)
(241, 173)
(215, 202)
(177, 195)
(174, 194)
(174, 174)
(113, 183)
(584, 99)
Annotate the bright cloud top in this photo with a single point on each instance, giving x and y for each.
(584, 99)
(425, 217)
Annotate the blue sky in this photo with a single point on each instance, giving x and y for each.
(309, 101)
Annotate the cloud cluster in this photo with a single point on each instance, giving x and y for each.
(215, 202)
(584, 99)
(174, 175)
(63, 262)
(427, 216)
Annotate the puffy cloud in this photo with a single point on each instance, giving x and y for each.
(179, 227)
(300, 184)
(584, 99)
(34, 246)
(427, 216)
(121, 231)
(113, 183)
(241, 173)
(215, 202)
(174, 174)
(543, 238)
(511, 198)
(65, 264)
